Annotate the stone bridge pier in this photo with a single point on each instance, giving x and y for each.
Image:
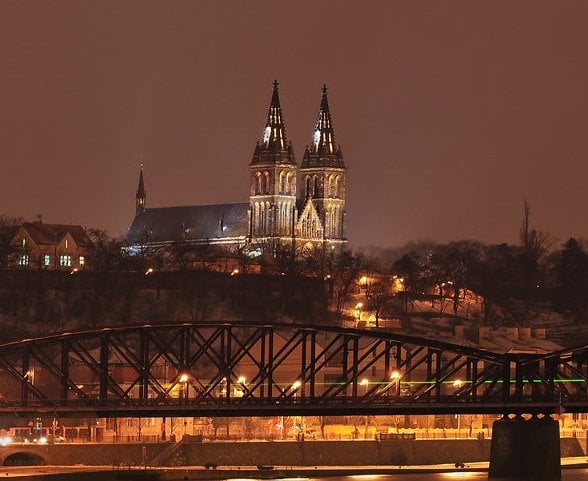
(525, 449)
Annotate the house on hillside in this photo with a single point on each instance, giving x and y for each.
(45, 246)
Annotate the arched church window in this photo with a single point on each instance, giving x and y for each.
(308, 187)
(258, 183)
(281, 187)
(336, 187)
(266, 177)
(315, 190)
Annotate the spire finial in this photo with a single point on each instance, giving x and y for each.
(275, 96)
(324, 89)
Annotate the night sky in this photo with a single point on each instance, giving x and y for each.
(449, 113)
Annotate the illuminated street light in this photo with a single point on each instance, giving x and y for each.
(149, 271)
(235, 272)
(395, 376)
(240, 391)
(184, 378)
(296, 385)
(457, 384)
(358, 308)
(365, 382)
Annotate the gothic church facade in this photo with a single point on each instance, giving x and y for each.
(289, 206)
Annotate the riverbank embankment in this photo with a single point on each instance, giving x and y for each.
(322, 454)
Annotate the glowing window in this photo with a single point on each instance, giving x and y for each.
(65, 261)
(47, 260)
(82, 260)
(23, 260)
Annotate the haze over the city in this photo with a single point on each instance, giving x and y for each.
(449, 114)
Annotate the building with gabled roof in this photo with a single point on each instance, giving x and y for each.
(288, 206)
(47, 246)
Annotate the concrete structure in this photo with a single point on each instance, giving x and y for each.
(283, 453)
(525, 449)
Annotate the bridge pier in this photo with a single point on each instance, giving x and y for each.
(525, 449)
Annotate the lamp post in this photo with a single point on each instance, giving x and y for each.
(241, 381)
(365, 382)
(184, 378)
(395, 377)
(295, 387)
(358, 308)
(458, 383)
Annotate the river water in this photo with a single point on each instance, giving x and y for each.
(567, 475)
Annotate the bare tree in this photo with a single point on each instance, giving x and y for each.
(8, 228)
(377, 294)
(535, 245)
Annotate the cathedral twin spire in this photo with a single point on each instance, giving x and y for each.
(322, 151)
(274, 147)
(274, 142)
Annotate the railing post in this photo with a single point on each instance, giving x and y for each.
(104, 356)
(505, 375)
(312, 364)
(26, 375)
(144, 367)
(64, 371)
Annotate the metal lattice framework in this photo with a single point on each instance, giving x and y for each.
(213, 369)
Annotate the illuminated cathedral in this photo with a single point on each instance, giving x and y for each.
(289, 205)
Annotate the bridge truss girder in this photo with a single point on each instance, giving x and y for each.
(236, 369)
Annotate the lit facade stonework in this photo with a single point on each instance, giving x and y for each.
(288, 206)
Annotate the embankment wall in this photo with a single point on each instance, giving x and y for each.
(279, 453)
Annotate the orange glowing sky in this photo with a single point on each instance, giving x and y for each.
(449, 113)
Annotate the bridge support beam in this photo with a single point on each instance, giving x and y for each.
(525, 449)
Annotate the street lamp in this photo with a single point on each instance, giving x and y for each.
(358, 308)
(365, 382)
(395, 376)
(457, 384)
(241, 380)
(184, 378)
(295, 386)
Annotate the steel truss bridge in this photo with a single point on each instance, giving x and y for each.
(253, 369)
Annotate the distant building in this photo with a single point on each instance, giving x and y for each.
(46, 246)
(288, 206)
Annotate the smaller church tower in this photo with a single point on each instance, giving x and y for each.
(141, 196)
(322, 178)
(272, 196)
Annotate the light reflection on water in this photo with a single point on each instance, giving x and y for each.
(567, 475)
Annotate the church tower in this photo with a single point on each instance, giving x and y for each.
(322, 179)
(141, 196)
(272, 196)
